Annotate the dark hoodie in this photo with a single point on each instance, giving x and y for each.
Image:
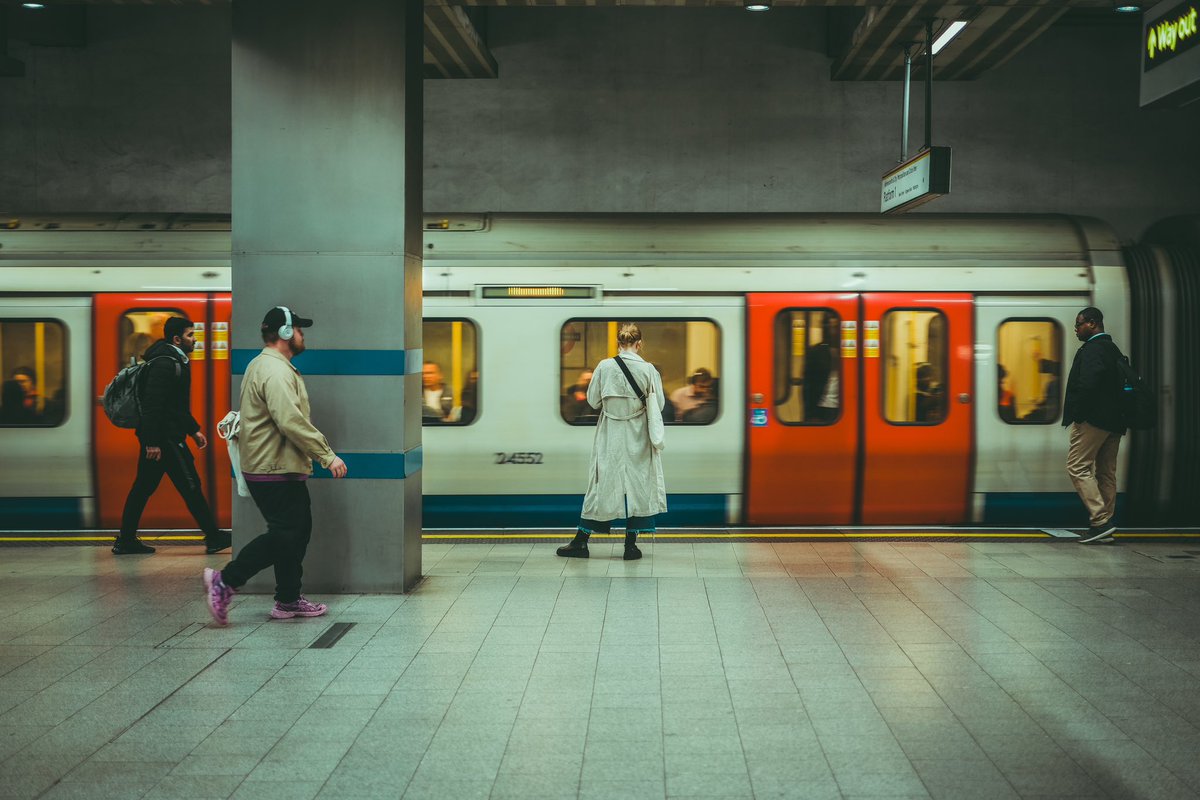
(166, 392)
(1094, 386)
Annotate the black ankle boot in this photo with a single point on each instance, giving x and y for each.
(131, 546)
(631, 549)
(577, 548)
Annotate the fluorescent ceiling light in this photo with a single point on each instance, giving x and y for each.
(1127, 8)
(947, 35)
(34, 5)
(756, 5)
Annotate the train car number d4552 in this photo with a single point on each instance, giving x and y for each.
(518, 458)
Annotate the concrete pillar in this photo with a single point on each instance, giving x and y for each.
(327, 117)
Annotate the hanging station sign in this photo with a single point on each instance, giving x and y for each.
(1171, 55)
(1171, 35)
(918, 180)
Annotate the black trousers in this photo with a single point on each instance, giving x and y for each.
(286, 507)
(177, 464)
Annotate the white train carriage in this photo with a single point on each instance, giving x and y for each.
(861, 370)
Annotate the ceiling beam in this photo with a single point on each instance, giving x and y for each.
(453, 47)
(997, 31)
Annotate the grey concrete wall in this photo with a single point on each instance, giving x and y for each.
(138, 120)
(627, 109)
(720, 110)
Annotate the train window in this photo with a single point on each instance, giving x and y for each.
(686, 352)
(33, 366)
(808, 366)
(914, 349)
(1029, 355)
(450, 374)
(142, 328)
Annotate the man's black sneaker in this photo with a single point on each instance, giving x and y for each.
(222, 541)
(131, 547)
(632, 553)
(1098, 533)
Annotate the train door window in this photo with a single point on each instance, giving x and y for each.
(1029, 357)
(450, 374)
(686, 352)
(142, 328)
(33, 369)
(808, 366)
(914, 351)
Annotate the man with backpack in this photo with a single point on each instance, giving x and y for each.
(1092, 409)
(164, 391)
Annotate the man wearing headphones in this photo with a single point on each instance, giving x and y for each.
(277, 445)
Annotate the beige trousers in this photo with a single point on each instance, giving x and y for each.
(1092, 465)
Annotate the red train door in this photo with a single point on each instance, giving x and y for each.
(802, 428)
(918, 354)
(125, 324)
(859, 408)
(217, 369)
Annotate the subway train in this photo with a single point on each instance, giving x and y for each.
(822, 369)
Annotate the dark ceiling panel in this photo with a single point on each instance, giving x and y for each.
(998, 30)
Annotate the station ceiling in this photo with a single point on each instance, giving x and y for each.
(866, 37)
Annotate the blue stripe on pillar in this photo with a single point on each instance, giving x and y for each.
(378, 466)
(343, 362)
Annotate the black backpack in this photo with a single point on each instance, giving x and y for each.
(1137, 404)
(122, 400)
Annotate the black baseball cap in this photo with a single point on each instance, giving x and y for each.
(276, 319)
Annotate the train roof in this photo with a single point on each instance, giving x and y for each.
(462, 250)
(778, 237)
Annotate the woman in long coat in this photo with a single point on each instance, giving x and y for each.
(625, 477)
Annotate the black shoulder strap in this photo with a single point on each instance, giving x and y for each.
(175, 361)
(629, 377)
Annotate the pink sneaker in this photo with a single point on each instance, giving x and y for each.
(218, 595)
(300, 608)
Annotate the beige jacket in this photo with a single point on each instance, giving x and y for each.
(277, 436)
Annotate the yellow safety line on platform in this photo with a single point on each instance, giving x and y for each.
(830, 535)
(618, 536)
(97, 538)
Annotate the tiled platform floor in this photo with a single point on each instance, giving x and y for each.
(709, 670)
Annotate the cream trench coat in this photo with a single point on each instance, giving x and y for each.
(625, 469)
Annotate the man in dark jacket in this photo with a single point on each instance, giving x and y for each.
(1092, 410)
(166, 422)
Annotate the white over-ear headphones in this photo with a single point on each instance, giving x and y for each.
(285, 330)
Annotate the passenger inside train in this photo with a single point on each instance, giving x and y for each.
(574, 405)
(809, 368)
(931, 394)
(695, 402)
(1047, 407)
(437, 404)
(1006, 403)
(13, 410)
(821, 375)
(31, 361)
(450, 379)
(470, 398)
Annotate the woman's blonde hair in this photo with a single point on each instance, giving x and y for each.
(629, 334)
